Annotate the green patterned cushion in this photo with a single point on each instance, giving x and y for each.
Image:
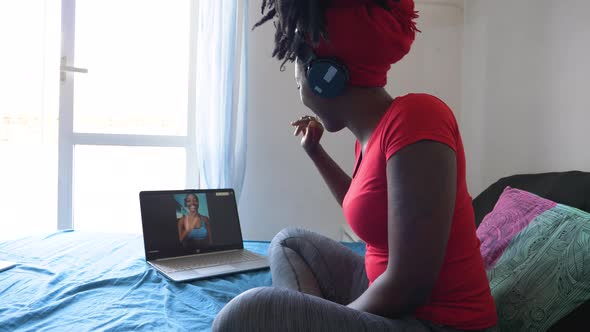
(544, 273)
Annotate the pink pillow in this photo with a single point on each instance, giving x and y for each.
(514, 210)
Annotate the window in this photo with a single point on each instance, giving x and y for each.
(124, 126)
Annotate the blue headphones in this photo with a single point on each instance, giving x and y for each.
(327, 77)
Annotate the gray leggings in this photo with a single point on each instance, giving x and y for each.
(314, 278)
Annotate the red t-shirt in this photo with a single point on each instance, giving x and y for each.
(461, 297)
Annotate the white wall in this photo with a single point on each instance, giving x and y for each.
(282, 187)
(526, 79)
(435, 62)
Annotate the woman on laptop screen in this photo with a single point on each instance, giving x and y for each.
(194, 229)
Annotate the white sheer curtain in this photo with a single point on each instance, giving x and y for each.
(221, 108)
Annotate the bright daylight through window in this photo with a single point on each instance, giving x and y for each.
(125, 124)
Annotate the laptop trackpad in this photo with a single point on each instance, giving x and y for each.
(215, 269)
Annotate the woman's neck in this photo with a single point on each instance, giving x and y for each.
(366, 108)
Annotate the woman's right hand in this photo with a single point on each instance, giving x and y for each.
(312, 131)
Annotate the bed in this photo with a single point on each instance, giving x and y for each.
(81, 281)
(71, 280)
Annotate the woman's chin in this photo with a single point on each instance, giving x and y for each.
(332, 128)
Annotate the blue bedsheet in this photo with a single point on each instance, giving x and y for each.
(77, 281)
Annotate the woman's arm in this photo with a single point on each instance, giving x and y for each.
(336, 179)
(180, 223)
(421, 191)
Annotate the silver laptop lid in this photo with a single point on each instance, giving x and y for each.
(186, 222)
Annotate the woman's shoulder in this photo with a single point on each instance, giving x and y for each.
(415, 117)
(424, 101)
(420, 108)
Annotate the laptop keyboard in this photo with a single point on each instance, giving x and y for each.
(207, 260)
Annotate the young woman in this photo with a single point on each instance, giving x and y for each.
(193, 228)
(407, 198)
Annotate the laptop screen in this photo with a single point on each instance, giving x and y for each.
(187, 222)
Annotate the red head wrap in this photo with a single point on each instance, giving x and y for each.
(368, 38)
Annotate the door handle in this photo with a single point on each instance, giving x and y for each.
(73, 69)
(69, 69)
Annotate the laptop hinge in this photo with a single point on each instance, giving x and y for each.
(194, 255)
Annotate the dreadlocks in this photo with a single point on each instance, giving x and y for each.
(295, 17)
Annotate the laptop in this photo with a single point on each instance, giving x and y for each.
(194, 234)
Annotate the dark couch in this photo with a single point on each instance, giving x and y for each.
(569, 188)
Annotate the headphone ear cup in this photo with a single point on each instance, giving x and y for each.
(327, 78)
